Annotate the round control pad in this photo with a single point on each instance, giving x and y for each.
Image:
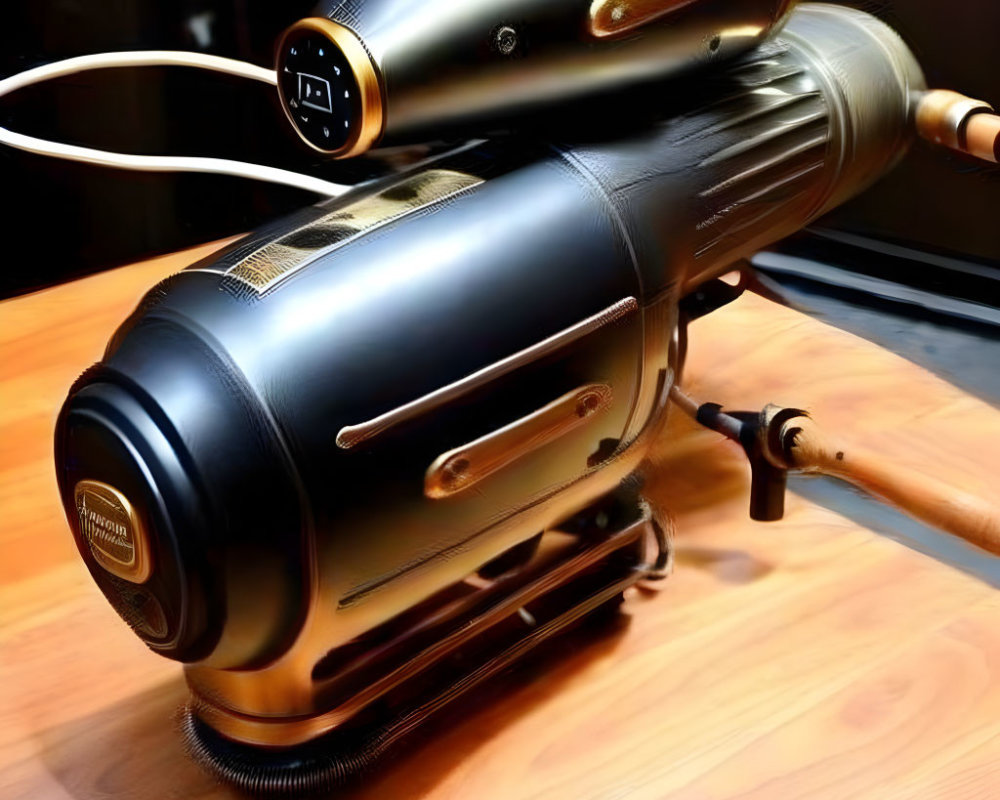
(319, 81)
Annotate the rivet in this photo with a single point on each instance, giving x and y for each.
(455, 471)
(587, 405)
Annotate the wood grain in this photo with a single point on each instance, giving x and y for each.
(972, 516)
(803, 659)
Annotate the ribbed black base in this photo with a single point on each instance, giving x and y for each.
(319, 767)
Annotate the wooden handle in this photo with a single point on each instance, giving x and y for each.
(959, 122)
(983, 135)
(949, 508)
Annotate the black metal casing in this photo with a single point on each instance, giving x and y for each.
(238, 408)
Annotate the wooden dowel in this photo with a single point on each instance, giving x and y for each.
(983, 136)
(949, 508)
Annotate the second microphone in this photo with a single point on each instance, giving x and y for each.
(359, 74)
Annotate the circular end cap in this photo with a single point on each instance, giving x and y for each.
(123, 491)
(329, 87)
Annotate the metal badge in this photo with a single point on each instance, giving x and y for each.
(113, 530)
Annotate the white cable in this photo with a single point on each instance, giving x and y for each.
(148, 58)
(136, 58)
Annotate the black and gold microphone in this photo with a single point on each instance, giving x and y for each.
(368, 457)
(358, 74)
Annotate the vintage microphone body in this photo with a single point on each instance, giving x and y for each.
(367, 72)
(298, 441)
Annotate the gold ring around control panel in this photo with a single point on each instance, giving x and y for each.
(363, 136)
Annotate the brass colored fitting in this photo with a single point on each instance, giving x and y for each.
(959, 122)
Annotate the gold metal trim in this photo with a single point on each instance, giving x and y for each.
(942, 115)
(786, 7)
(463, 467)
(365, 135)
(353, 435)
(113, 530)
(610, 18)
(280, 258)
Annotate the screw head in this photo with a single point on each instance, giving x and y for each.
(587, 404)
(505, 40)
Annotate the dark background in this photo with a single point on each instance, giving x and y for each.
(63, 219)
(938, 199)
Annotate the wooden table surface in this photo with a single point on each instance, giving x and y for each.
(808, 658)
